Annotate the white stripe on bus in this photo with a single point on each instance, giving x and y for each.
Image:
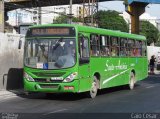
(106, 80)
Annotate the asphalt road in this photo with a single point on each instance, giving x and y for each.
(114, 102)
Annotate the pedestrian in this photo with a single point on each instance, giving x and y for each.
(152, 64)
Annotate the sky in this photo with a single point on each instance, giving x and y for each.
(152, 9)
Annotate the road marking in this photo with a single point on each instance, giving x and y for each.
(150, 86)
(56, 111)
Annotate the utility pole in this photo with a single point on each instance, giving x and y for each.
(90, 8)
(1, 16)
(70, 12)
(39, 15)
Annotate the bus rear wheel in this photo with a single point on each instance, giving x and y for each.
(132, 81)
(94, 88)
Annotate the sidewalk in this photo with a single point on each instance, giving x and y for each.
(4, 92)
(155, 71)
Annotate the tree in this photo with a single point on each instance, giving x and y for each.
(158, 40)
(150, 31)
(64, 19)
(112, 20)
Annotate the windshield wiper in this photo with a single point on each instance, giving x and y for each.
(57, 44)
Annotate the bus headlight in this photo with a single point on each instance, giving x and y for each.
(70, 77)
(28, 77)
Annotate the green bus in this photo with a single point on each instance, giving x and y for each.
(62, 58)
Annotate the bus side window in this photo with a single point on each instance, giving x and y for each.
(94, 41)
(104, 46)
(138, 48)
(114, 46)
(144, 50)
(83, 47)
(131, 49)
(123, 47)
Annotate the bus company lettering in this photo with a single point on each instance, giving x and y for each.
(132, 65)
(110, 67)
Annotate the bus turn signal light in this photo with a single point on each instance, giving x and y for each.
(68, 88)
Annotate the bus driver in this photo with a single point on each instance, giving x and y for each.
(66, 60)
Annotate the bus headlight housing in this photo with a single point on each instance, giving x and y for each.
(28, 77)
(70, 77)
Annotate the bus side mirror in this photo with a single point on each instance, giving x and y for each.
(20, 44)
(83, 60)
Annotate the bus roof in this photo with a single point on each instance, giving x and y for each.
(94, 30)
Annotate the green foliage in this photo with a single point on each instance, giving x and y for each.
(158, 41)
(112, 20)
(64, 19)
(60, 19)
(150, 31)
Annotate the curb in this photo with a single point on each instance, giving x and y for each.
(11, 92)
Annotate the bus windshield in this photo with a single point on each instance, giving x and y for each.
(54, 53)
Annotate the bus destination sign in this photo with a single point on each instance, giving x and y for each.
(52, 31)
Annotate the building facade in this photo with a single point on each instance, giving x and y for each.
(42, 15)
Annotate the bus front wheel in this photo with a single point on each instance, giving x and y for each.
(94, 88)
(131, 81)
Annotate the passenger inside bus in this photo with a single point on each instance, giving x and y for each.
(123, 52)
(95, 45)
(42, 54)
(68, 59)
(57, 50)
(105, 51)
(114, 51)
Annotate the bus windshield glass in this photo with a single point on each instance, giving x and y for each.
(54, 53)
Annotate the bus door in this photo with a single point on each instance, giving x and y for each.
(84, 62)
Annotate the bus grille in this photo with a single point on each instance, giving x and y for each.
(44, 80)
(48, 74)
(48, 86)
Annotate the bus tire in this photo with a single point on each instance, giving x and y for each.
(94, 88)
(132, 81)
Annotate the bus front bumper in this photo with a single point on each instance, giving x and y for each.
(51, 87)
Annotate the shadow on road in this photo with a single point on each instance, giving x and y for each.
(152, 79)
(55, 96)
(114, 89)
(72, 96)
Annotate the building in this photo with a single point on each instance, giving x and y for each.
(19, 16)
(42, 15)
